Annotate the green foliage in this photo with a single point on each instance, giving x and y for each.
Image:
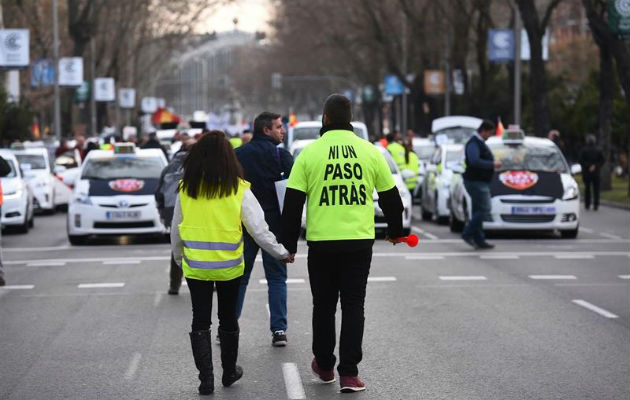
(15, 120)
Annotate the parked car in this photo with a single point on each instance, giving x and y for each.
(533, 190)
(35, 165)
(306, 132)
(454, 129)
(17, 207)
(424, 148)
(446, 161)
(380, 223)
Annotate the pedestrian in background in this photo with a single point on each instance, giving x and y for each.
(396, 149)
(480, 165)
(165, 195)
(337, 175)
(591, 159)
(5, 169)
(213, 203)
(264, 163)
(412, 164)
(154, 143)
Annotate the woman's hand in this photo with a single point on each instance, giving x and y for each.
(288, 259)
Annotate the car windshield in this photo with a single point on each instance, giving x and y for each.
(31, 161)
(453, 135)
(313, 133)
(424, 152)
(530, 158)
(454, 157)
(123, 167)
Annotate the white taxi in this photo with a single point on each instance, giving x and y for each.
(17, 206)
(114, 193)
(533, 190)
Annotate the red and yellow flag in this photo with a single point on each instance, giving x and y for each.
(500, 128)
(35, 131)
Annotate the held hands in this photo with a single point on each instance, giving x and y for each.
(288, 259)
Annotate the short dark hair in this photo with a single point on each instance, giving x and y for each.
(390, 137)
(486, 125)
(211, 169)
(338, 109)
(264, 120)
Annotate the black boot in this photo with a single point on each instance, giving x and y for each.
(229, 353)
(201, 342)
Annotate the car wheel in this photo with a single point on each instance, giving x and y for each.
(439, 219)
(23, 228)
(77, 240)
(570, 234)
(426, 215)
(31, 222)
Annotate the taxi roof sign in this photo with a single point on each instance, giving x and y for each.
(514, 136)
(124, 148)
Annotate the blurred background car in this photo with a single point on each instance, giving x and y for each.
(35, 165)
(446, 161)
(17, 207)
(424, 149)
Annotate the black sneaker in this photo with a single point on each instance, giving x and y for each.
(279, 339)
(485, 246)
(173, 292)
(2, 281)
(470, 241)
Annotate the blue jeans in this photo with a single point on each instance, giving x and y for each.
(480, 196)
(276, 275)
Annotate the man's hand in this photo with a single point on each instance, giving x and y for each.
(288, 259)
(497, 164)
(391, 240)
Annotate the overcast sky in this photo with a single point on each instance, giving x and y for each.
(253, 15)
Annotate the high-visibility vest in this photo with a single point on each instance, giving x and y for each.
(397, 151)
(212, 234)
(339, 172)
(236, 142)
(414, 166)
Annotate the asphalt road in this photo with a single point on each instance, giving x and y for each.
(539, 317)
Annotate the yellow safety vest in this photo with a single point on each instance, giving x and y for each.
(339, 172)
(397, 151)
(212, 233)
(414, 166)
(236, 142)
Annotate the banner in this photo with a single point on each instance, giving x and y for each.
(71, 71)
(127, 97)
(434, 82)
(42, 73)
(148, 105)
(619, 18)
(501, 45)
(14, 48)
(393, 85)
(104, 89)
(82, 94)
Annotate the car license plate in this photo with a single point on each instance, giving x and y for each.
(533, 210)
(122, 215)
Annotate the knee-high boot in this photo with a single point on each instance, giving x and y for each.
(229, 353)
(201, 343)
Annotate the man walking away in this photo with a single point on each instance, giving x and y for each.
(264, 163)
(480, 167)
(5, 169)
(165, 196)
(337, 176)
(591, 159)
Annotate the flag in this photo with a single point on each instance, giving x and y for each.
(500, 128)
(35, 131)
(292, 119)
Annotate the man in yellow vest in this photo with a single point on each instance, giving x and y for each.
(396, 149)
(336, 175)
(412, 165)
(5, 169)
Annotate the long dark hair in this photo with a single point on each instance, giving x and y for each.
(211, 168)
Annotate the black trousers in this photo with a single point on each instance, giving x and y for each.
(201, 296)
(335, 276)
(591, 182)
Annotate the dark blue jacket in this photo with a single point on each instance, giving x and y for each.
(479, 161)
(263, 163)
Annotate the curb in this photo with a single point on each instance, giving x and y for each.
(612, 204)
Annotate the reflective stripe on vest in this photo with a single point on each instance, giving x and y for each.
(213, 264)
(199, 245)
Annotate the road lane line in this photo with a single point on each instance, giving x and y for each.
(157, 299)
(46, 264)
(292, 280)
(292, 381)
(573, 256)
(594, 308)
(423, 232)
(463, 278)
(118, 262)
(101, 285)
(17, 287)
(624, 276)
(543, 277)
(382, 279)
(587, 230)
(133, 366)
(499, 257)
(610, 236)
(427, 257)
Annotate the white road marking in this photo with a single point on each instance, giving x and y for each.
(424, 257)
(382, 279)
(594, 308)
(624, 276)
(610, 236)
(157, 299)
(499, 257)
(573, 256)
(292, 280)
(92, 259)
(463, 278)
(109, 262)
(292, 381)
(543, 277)
(423, 232)
(101, 285)
(133, 366)
(46, 264)
(17, 287)
(268, 310)
(587, 230)
(33, 249)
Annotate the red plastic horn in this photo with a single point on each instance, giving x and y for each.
(411, 240)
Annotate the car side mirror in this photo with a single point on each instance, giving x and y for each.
(576, 169)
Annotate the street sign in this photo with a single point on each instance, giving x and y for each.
(349, 94)
(161, 102)
(82, 94)
(434, 82)
(458, 82)
(501, 45)
(367, 94)
(619, 18)
(393, 85)
(42, 73)
(148, 105)
(14, 48)
(127, 97)
(104, 89)
(71, 71)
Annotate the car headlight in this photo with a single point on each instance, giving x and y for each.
(571, 193)
(83, 199)
(13, 195)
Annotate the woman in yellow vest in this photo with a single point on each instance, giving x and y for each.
(412, 164)
(213, 204)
